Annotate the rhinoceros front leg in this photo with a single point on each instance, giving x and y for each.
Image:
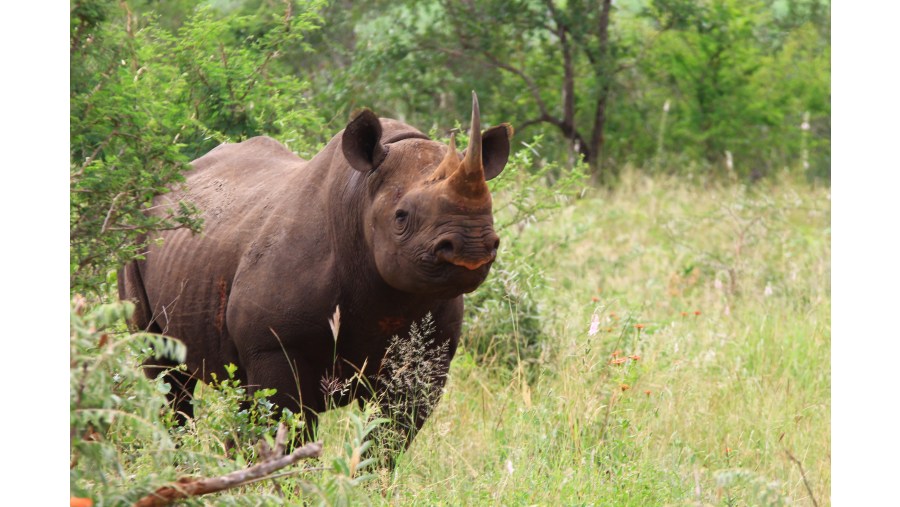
(292, 381)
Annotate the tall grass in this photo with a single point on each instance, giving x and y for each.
(675, 350)
(708, 368)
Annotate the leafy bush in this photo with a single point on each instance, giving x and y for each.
(146, 101)
(124, 442)
(116, 416)
(503, 319)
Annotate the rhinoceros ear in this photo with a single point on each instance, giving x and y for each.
(495, 149)
(362, 142)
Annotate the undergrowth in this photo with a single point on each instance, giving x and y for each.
(125, 442)
(679, 355)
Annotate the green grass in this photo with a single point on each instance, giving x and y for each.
(716, 400)
(722, 293)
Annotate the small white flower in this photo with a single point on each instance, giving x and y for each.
(768, 290)
(717, 283)
(595, 325)
(509, 467)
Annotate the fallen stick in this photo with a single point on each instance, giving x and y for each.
(190, 486)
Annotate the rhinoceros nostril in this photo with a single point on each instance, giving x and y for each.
(444, 248)
(492, 242)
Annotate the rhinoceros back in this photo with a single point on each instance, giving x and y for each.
(182, 287)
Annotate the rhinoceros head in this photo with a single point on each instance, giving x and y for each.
(429, 223)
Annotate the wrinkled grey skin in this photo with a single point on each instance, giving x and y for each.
(384, 223)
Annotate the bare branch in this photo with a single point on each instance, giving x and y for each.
(188, 486)
(111, 212)
(529, 82)
(534, 121)
(280, 440)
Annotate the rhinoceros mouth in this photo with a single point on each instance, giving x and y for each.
(470, 255)
(469, 264)
(450, 277)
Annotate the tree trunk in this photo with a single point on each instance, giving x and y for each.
(603, 73)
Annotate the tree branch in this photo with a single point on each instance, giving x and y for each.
(187, 486)
(534, 121)
(532, 86)
(109, 214)
(566, 124)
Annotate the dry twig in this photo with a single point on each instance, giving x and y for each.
(190, 486)
(803, 475)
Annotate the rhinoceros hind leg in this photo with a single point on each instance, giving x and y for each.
(182, 383)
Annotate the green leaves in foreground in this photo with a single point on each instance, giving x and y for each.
(116, 417)
(124, 443)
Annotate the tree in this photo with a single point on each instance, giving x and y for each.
(596, 76)
(735, 83)
(538, 62)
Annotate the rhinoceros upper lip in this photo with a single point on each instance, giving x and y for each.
(470, 265)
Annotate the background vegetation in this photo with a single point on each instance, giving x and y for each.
(657, 329)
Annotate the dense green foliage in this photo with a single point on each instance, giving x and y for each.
(145, 101)
(125, 443)
(740, 78)
(556, 395)
(705, 88)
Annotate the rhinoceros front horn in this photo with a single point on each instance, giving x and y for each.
(472, 164)
(468, 179)
(485, 157)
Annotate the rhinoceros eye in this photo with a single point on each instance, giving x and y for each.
(401, 216)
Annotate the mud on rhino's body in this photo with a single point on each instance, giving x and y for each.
(383, 223)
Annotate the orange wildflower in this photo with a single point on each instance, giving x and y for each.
(647, 392)
(625, 387)
(635, 357)
(74, 501)
(640, 326)
(616, 353)
(684, 314)
(595, 299)
(696, 312)
(620, 360)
